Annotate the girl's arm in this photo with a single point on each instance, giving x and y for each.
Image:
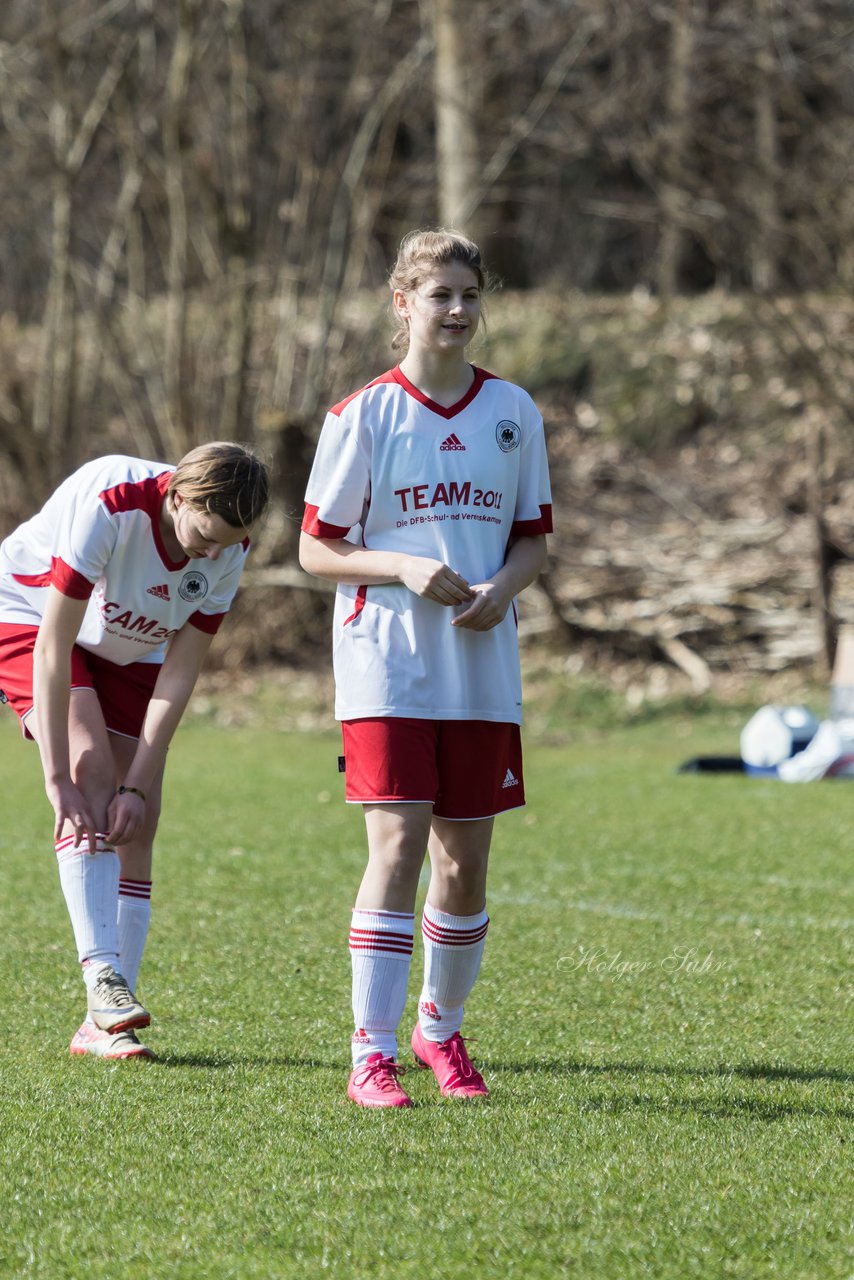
(51, 692)
(338, 560)
(525, 559)
(175, 683)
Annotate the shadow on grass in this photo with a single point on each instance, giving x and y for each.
(228, 1062)
(554, 1067)
(766, 1110)
(762, 1072)
(759, 1108)
(725, 1108)
(748, 1070)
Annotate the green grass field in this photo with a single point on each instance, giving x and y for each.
(663, 1017)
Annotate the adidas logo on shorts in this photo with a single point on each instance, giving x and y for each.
(509, 780)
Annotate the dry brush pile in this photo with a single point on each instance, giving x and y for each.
(704, 487)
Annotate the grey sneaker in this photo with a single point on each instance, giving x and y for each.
(112, 1004)
(89, 1039)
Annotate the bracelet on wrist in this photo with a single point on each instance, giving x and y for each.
(134, 791)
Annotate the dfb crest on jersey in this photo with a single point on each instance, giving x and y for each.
(193, 586)
(508, 435)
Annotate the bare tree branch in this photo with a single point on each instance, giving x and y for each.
(336, 249)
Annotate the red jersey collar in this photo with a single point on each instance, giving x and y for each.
(480, 376)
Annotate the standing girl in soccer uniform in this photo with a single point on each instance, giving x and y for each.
(109, 599)
(428, 504)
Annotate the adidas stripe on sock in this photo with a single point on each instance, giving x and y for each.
(453, 950)
(380, 953)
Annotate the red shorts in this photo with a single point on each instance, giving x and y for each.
(123, 692)
(466, 769)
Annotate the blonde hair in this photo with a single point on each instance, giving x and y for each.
(224, 479)
(419, 253)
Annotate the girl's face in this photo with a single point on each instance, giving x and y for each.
(443, 311)
(203, 536)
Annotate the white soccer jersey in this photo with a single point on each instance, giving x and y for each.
(98, 539)
(396, 472)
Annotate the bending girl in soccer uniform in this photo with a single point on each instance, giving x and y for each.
(109, 599)
(428, 504)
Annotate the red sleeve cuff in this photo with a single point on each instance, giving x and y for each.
(311, 523)
(532, 528)
(69, 581)
(209, 622)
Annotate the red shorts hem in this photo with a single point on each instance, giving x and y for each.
(474, 817)
(467, 770)
(351, 799)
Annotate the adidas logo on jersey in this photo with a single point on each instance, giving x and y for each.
(453, 444)
(162, 592)
(509, 780)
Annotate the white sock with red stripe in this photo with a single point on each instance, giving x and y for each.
(380, 951)
(90, 883)
(453, 950)
(133, 922)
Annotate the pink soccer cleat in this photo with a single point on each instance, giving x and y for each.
(450, 1064)
(374, 1083)
(91, 1040)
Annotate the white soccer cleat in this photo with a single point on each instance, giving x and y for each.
(91, 1040)
(830, 754)
(112, 1005)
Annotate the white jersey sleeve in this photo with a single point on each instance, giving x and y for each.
(533, 510)
(340, 483)
(84, 541)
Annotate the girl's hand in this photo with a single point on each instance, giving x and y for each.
(71, 806)
(125, 816)
(487, 609)
(433, 580)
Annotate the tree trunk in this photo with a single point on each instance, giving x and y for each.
(456, 140)
(237, 231)
(105, 286)
(676, 135)
(49, 389)
(763, 180)
(821, 586)
(53, 407)
(338, 246)
(176, 269)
